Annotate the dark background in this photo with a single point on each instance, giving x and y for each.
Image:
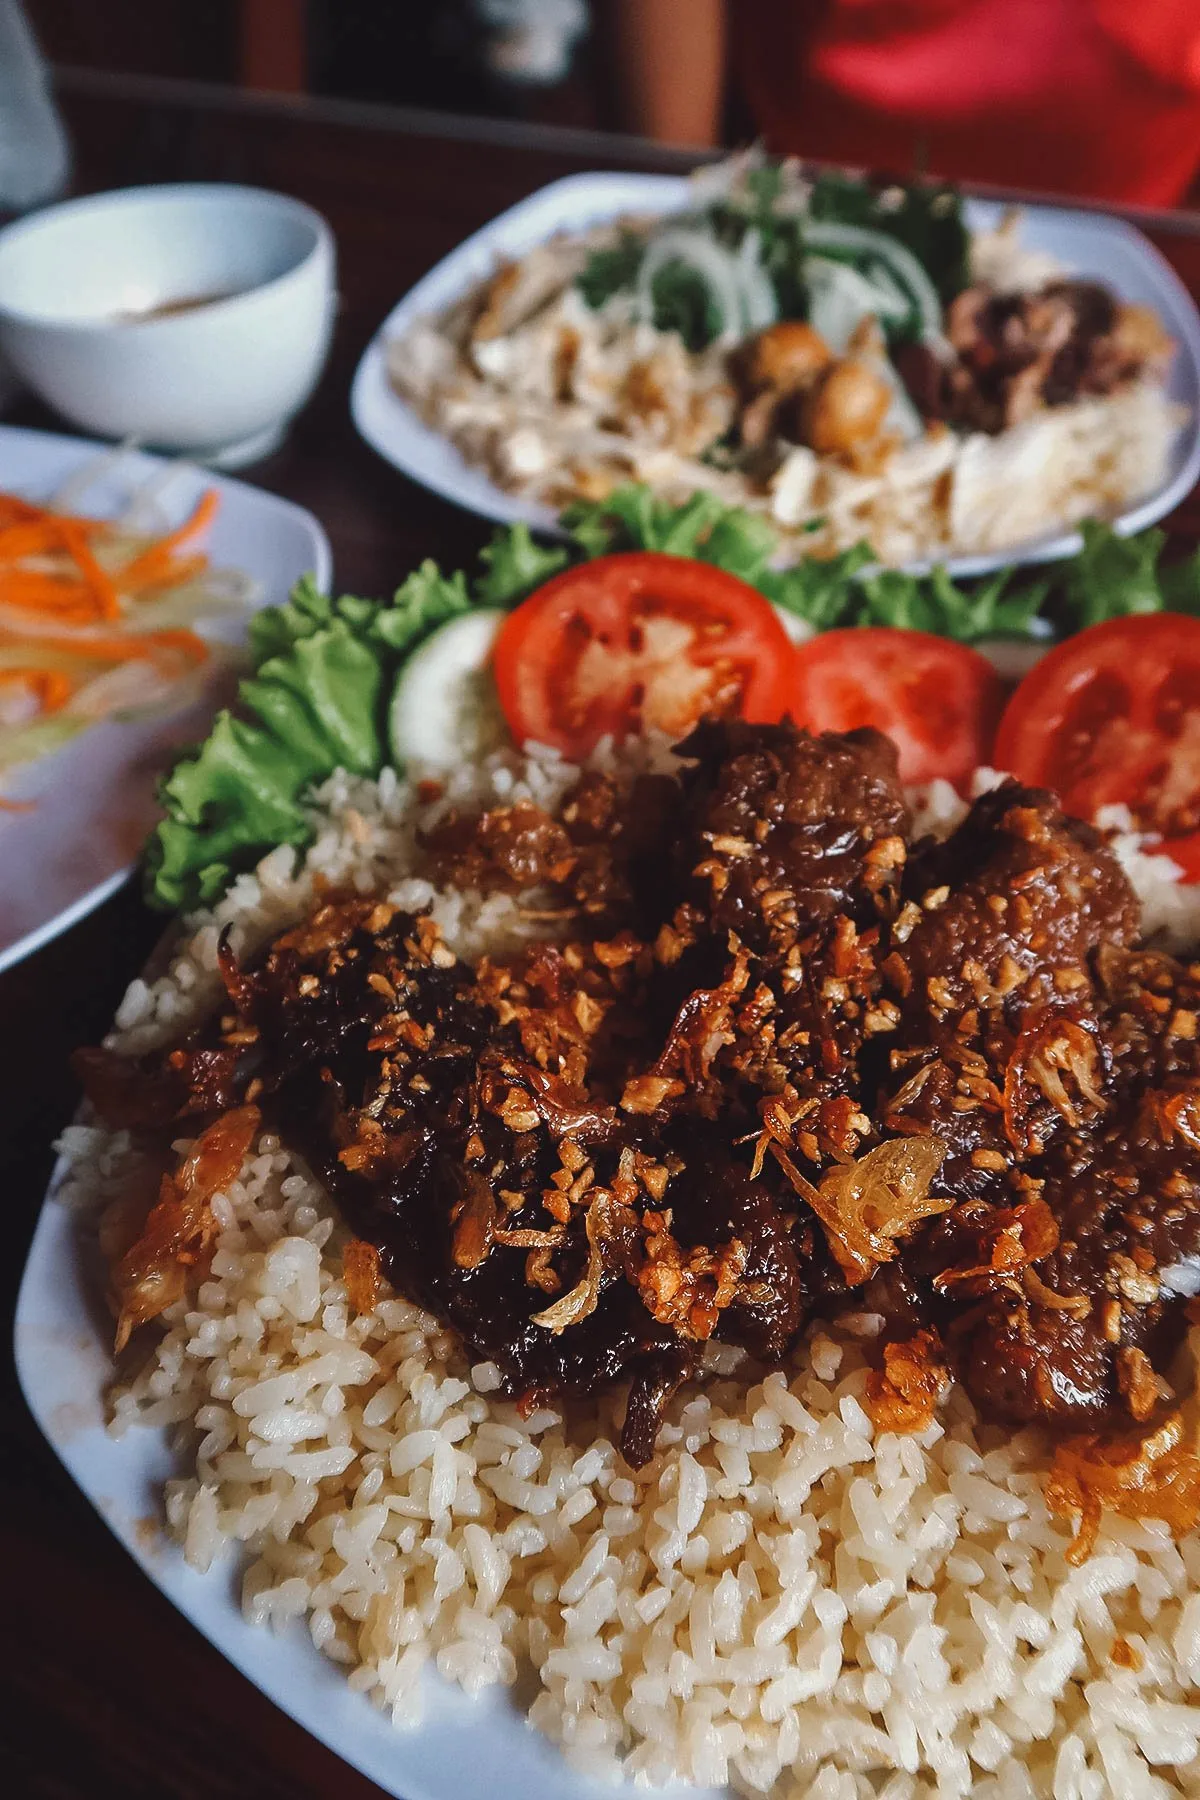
(407, 52)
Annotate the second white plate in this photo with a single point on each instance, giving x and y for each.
(95, 799)
(1089, 245)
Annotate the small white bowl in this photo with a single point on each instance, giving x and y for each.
(219, 381)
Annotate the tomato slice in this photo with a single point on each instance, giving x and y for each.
(1113, 715)
(1185, 852)
(639, 641)
(937, 700)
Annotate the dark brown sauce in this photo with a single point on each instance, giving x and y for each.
(173, 309)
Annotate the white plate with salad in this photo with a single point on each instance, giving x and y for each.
(900, 366)
(126, 582)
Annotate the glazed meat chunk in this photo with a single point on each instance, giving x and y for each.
(597, 858)
(1151, 1008)
(991, 965)
(782, 831)
(1020, 352)
(564, 1238)
(1007, 911)
(794, 845)
(1077, 1337)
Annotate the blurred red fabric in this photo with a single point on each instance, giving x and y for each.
(1090, 97)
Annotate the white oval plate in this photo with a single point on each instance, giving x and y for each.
(464, 1749)
(1087, 244)
(95, 798)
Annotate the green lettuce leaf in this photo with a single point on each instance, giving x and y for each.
(514, 564)
(321, 700)
(704, 527)
(1180, 585)
(238, 795)
(426, 600)
(313, 707)
(937, 604)
(1112, 576)
(314, 703)
(275, 629)
(825, 591)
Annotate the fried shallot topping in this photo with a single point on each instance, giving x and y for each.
(903, 1396)
(178, 1233)
(361, 1273)
(761, 1058)
(1138, 1474)
(866, 1207)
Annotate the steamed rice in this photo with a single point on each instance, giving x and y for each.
(782, 1599)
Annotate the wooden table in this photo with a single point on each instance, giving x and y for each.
(110, 1689)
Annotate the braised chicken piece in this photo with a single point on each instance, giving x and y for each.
(1008, 909)
(1036, 1039)
(599, 858)
(1151, 1008)
(791, 847)
(448, 1115)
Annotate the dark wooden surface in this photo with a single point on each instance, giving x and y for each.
(109, 1690)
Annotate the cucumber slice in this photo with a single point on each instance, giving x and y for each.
(444, 707)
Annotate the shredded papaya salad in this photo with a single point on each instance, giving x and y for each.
(98, 620)
(1084, 677)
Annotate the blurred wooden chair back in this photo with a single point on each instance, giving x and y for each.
(273, 45)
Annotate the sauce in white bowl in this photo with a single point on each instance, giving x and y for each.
(195, 318)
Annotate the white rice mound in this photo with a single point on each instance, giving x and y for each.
(783, 1599)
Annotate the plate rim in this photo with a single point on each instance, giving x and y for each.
(467, 487)
(96, 447)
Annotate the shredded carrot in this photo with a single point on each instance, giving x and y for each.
(14, 511)
(53, 689)
(49, 687)
(109, 648)
(101, 584)
(73, 588)
(159, 555)
(28, 537)
(158, 575)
